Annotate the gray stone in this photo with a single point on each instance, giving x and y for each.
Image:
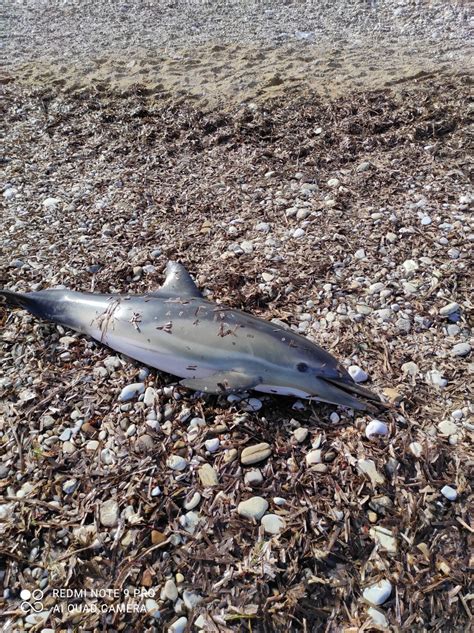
(461, 349)
(253, 508)
(108, 513)
(273, 523)
(450, 308)
(69, 486)
(253, 477)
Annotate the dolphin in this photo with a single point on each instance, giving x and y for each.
(212, 348)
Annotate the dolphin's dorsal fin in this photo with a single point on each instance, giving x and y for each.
(178, 283)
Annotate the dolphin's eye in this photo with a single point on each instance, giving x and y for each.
(302, 367)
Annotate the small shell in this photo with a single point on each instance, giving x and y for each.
(376, 427)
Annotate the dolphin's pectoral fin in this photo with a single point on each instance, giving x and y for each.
(178, 283)
(222, 382)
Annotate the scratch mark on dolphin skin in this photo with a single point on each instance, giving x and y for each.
(135, 320)
(225, 332)
(166, 328)
(104, 319)
(192, 367)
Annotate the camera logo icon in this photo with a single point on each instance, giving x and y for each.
(32, 600)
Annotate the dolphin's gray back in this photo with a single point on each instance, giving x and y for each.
(212, 347)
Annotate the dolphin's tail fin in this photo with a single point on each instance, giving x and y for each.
(15, 299)
(35, 302)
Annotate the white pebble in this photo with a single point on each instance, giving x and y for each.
(152, 608)
(357, 374)
(333, 182)
(193, 502)
(314, 457)
(426, 220)
(297, 233)
(50, 203)
(449, 493)
(447, 427)
(246, 246)
(212, 445)
(191, 599)
(131, 391)
(176, 462)
(435, 378)
(457, 414)
(108, 513)
(377, 617)
(376, 427)
(334, 417)
(279, 501)
(410, 266)
(379, 593)
(10, 193)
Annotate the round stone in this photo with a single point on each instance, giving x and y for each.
(253, 508)
(273, 523)
(253, 477)
(461, 349)
(176, 462)
(170, 591)
(212, 445)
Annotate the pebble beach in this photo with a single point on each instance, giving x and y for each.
(309, 163)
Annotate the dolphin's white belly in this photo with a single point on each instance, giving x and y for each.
(282, 391)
